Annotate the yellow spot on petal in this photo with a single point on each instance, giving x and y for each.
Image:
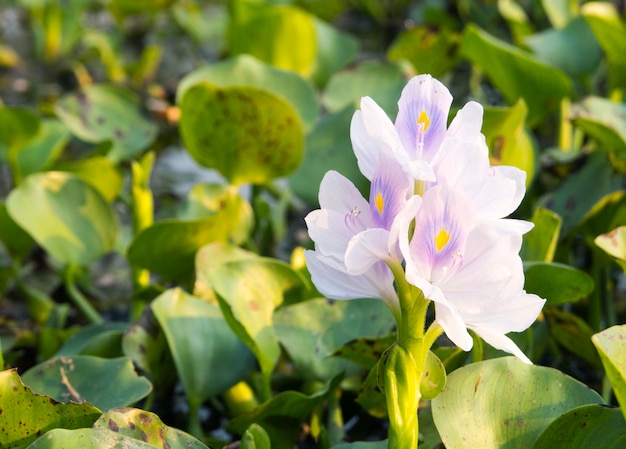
(442, 239)
(380, 203)
(423, 121)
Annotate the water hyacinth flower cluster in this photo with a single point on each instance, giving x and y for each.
(434, 229)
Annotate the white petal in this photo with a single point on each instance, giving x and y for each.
(367, 248)
(453, 326)
(338, 193)
(502, 342)
(366, 148)
(467, 123)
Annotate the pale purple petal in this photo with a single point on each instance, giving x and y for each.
(440, 233)
(388, 191)
(330, 232)
(422, 116)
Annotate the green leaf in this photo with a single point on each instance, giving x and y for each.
(335, 50)
(610, 31)
(362, 445)
(145, 343)
(245, 70)
(557, 283)
(100, 112)
(27, 415)
(207, 200)
(428, 50)
(282, 416)
(509, 141)
(105, 383)
(311, 331)
(87, 439)
(603, 120)
(248, 306)
(585, 427)
(14, 238)
(328, 148)
(249, 135)
(614, 244)
(99, 172)
(581, 190)
(560, 12)
(370, 396)
(563, 48)
(383, 82)
(209, 357)
(540, 243)
(516, 73)
(65, 215)
(147, 427)
(283, 36)
(42, 150)
(255, 437)
(365, 351)
(168, 247)
(100, 340)
(605, 215)
(573, 333)
(18, 128)
(433, 378)
(611, 345)
(504, 403)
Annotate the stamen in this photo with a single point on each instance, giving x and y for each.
(423, 122)
(350, 217)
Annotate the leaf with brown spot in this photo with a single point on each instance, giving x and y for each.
(147, 427)
(27, 415)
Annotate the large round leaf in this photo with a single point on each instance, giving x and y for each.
(328, 148)
(147, 427)
(87, 439)
(25, 415)
(249, 135)
(104, 112)
(312, 330)
(585, 427)
(245, 70)
(209, 357)
(65, 215)
(105, 383)
(504, 403)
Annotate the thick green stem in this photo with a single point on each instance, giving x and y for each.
(406, 362)
(79, 299)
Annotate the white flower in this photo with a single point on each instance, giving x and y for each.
(352, 236)
(469, 267)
